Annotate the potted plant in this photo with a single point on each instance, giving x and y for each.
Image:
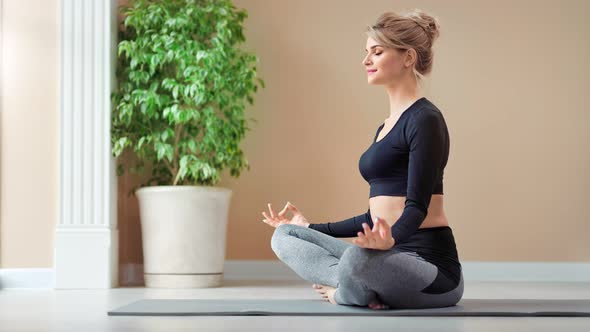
(182, 84)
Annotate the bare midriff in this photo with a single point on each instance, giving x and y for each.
(391, 208)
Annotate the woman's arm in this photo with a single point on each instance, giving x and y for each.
(345, 228)
(429, 151)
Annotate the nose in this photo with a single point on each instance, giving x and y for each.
(365, 61)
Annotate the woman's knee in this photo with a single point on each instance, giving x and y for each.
(354, 261)
(279, 233)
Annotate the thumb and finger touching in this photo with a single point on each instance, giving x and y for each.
(293, 208)
(280, 217)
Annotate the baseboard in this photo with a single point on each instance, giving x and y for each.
(526, 271)
(472, 271)
(132, 274)
(85, 258)
(27, 278)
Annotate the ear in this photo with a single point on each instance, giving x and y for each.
(410, 57)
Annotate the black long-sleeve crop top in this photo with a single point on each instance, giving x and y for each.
(408, 161)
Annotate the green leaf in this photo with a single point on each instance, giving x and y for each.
(180, 70)
(169, 151)
(140, 143)
(161, 150)
(201, 54)
(175, 92)
(192, 145)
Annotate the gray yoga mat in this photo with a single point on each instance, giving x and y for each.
(465, 307)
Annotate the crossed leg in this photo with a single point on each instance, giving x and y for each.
(315, 257)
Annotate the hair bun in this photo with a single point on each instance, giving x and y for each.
(427, 22)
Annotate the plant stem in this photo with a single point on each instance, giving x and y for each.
(168, 165)
(176, 168)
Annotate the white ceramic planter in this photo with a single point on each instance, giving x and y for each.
(183, 230)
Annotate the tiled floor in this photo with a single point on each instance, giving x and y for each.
(86, 310)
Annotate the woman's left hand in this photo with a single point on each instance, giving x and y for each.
(377, 238)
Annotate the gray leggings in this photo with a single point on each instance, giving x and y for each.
(361, 275)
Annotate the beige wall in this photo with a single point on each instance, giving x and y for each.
(508, 76)
(29, 132)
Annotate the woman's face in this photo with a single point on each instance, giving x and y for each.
(384, 65)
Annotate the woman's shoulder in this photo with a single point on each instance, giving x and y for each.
(428, 107)
(427, 111)
(427, 116)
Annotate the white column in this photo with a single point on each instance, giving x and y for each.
(86, 236)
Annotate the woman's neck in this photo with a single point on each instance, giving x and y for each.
(401, 96)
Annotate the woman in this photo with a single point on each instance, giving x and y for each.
(407, 257)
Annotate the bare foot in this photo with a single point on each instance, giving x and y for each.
(327, 292)
(378, 306)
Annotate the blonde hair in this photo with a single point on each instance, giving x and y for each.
(415, 29)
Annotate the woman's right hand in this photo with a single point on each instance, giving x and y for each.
(275, 220)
